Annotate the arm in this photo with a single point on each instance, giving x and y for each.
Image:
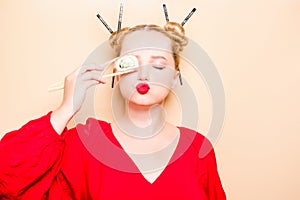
(214, 185)
(210, 177)
(30, 158)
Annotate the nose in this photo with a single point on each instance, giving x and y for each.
(143, 73)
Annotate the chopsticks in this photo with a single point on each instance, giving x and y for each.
(60, 85)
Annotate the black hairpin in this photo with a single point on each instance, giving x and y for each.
(180, 78)
(166, 12)
(188, 17)
(120, 17)
(118, 30)
(112, 81)
(104, 23)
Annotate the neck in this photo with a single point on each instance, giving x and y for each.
(142, 121)
(143, 116)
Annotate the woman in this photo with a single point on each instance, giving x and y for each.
(141, 155)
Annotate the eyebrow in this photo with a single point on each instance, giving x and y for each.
(159, 57)
(154, 57)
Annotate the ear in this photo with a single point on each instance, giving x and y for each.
(175, 79)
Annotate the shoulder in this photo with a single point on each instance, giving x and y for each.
(92, 126)
(197, 141)
(92, 123)
(84, 142)
(83, 134)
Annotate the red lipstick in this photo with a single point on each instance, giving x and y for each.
(142, 88)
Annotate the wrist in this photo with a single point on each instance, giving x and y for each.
(66, 111)
(60, 118)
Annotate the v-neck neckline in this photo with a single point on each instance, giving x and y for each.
(114, 139)
(97, 137)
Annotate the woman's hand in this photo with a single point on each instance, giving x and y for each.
(75, 87)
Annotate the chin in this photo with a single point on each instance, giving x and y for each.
(143, 101)
(146, 99)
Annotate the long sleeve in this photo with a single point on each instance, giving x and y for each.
(215, 189)
(30, 158)
(210, 179)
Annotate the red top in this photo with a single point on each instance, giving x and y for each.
(37, 163)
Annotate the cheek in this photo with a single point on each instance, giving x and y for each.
(164, 93)
(158, 94)
(127, 84)
(164, 78)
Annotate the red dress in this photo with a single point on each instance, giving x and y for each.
(37, 163)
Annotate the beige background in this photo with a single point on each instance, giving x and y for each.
(254, 44)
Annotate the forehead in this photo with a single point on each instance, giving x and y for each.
(152, 54)
(146, 39)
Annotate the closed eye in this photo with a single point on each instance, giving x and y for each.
(159, 67)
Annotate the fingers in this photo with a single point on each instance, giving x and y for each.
(78, 82)
(86, 73)
(89, 72)
(93, 75)
(89, 83)
(91, 67)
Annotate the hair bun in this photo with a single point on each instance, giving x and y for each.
(115, 38)
(175, 27)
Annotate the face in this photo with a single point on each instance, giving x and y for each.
(155, 74)
(152, 80)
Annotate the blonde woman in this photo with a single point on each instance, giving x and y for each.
(140, 155)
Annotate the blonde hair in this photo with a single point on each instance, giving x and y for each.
(172, 30)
